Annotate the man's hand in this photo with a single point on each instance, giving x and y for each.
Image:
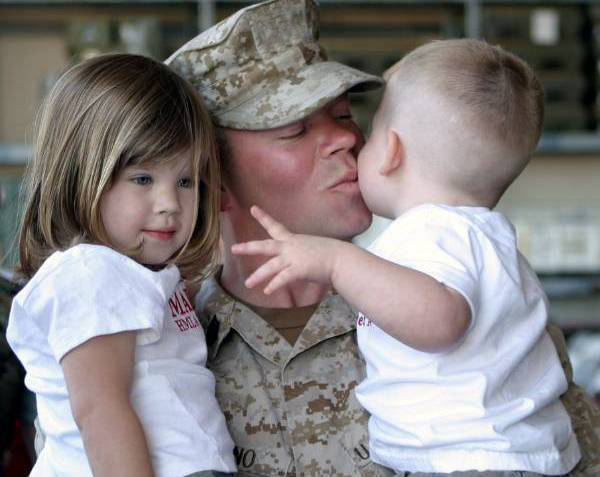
(294, 256)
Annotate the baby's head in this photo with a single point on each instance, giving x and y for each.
(104, 116)
(462, 119)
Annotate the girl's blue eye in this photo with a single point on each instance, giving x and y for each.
(142, 180)
(186, 182)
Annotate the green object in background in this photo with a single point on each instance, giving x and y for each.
(9, 217)
(89, 37)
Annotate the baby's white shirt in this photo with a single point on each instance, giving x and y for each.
(491, 402)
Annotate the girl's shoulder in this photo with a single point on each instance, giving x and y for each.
(79, 260)
(94, 269)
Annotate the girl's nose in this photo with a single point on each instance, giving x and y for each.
(167, 200)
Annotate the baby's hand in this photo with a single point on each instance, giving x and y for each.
(294, 256)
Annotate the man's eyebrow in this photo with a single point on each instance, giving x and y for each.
(287, 127)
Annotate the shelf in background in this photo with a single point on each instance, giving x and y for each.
(550, 144)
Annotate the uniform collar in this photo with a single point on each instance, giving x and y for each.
(333, 317)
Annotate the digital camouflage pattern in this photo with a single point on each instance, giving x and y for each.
(584, 413)
(291, 410)
(263, 67)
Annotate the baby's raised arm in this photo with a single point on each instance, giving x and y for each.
(407, 304)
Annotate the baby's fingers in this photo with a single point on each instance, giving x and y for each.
(284, 277)
(274, 228)
(265, 272)
(256, 247)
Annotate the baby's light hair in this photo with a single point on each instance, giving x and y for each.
(102, 115)
(496, 93)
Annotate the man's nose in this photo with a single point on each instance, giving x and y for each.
(338, 136)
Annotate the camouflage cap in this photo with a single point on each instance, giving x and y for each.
(263, 67)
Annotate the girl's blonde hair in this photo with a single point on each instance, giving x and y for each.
(102, 115)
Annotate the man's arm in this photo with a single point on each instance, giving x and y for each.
(98, 375)
(409, 305)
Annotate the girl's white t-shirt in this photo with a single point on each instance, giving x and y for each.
(491, 402)
(91, 290)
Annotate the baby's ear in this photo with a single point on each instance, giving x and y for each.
(394, 153)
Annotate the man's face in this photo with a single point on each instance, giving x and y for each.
(303, 174)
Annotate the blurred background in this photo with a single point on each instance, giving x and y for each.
(554, 204)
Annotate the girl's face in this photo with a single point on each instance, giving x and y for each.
(151, 206)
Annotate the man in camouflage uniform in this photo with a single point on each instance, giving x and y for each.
(286, 364)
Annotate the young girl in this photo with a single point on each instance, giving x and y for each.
(122, 193)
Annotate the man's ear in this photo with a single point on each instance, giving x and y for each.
(394, 153)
